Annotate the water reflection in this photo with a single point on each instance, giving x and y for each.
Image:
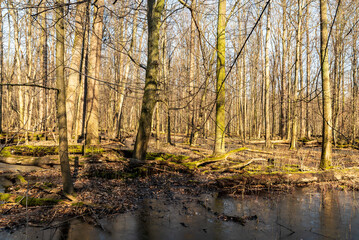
(304, 214)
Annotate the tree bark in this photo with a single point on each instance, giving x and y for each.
(124, 78)
(1, 69)
(61, 98)
(282, 121)
(267, 82)
(92, 128)
(154, 13)
(298, 52)
(73, 84)
(43, 63)
(326, 157)
(219, 145)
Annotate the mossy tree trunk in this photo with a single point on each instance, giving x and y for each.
(326, 158)
(154, 13)
(61, 98)
(219, 144)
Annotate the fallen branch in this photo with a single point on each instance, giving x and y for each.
(227, 218)
(222, 157)
(243, 165)
(258, 151)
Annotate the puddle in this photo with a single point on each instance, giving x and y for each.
(304, 214)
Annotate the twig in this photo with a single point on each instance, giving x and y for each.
(289, 229)
(63, 222)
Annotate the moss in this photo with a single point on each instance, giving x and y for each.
(22, 179)
(166, 157)
(4, 197)
(153, 156)
(159, 159)
(48, 185)
(93, 149)
(179, 158)
(304, 139)
(5, 153)
(142, 171)
(37, 201)
(78, 204)
(39, 151)
(190, 165)
(343, 146)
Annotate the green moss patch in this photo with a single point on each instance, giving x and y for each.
(37, 201)
(5, 197)
(38, 151)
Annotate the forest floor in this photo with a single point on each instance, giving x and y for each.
(108, 182)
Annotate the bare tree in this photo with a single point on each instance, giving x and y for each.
(154, 13)
(61, 98)
(326, 158)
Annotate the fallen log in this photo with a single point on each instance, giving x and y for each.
(243, 165)
(222, 157)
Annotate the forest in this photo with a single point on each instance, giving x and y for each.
(112, 107)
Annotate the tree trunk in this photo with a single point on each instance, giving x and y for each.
(326, 158)
(92, 128)
(14, 16)
(124, 78)
(267, 83)
(282, 121)
(219, 145)
(192, 67)
(43, 63)
(73, 85)
(298, 52)
(1, 69)
(355, 83)
(61, 98)
(308, 131)
(154, 13)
